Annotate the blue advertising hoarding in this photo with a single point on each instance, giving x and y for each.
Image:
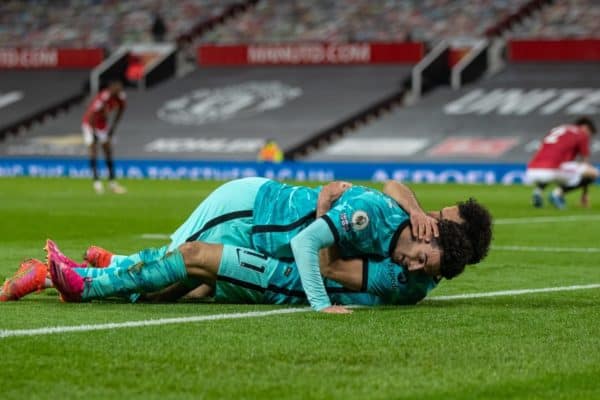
(301, 171)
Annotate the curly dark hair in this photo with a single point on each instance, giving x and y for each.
(477, 227)
(586, 121)
(456, 248)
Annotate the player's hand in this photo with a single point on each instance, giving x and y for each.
(336, 310)
(332, 191)
(423, 226)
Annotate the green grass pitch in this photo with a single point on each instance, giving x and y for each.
(531, 346)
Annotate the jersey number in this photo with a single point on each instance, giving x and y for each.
(555, 134)
(249, 259)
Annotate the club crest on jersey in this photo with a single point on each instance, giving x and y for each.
(360, 220)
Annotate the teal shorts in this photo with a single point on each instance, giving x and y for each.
(243, 276)
(225, 216)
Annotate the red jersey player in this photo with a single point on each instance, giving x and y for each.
(96, 130)
(563, 158)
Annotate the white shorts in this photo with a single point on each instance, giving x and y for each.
(568, 173)
(89, 132)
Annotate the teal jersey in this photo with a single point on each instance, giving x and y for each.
(366, 222)
(280, 212)
(363, 221)
(393, 284)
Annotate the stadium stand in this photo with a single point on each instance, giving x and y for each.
(31, 96)
(498, 119)
(227, 113)
(100, 23)
(360, 21)
(563, 19)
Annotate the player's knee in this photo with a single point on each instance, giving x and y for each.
(193, 253)
(591, 173)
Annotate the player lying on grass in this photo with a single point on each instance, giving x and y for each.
(279, 220)
(474, 219)
(242, 275)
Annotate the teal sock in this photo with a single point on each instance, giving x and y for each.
(141, 277)
(145, 255)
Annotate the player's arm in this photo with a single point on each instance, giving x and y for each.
(305, 247)
(584, 150)
(423, 226)
(92, 121)
(169, 294)
(328, 195)
(349, 273)
(115, 121)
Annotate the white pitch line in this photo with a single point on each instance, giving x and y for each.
(155, 236)
(515, 292)
(184, 320)
(151, 322)
(549, 249)
(543, 220)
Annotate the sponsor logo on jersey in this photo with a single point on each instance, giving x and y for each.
(345, 222)
(221, 104)
(360, 220)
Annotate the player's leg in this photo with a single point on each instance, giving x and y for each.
(108, 156)
(225, 216)
(98, 257)
(579, 175)
(32, 276)
(539, 178)
(537, 198)
(90, 140)
(242, 275)
(203, 261)
(149, 275)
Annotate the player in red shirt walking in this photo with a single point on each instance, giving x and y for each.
(563, 158)
(96, 130)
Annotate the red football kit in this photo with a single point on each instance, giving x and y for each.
(560, 145)
(103, 104)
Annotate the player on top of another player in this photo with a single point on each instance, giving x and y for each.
(279, 220)
(556, 162)
(96, 129)
(245, 276)
(227, 216)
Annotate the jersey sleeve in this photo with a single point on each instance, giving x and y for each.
(305, 248)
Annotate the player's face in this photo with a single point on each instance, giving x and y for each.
(449, 213)
(417, 255)
(115, 88)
